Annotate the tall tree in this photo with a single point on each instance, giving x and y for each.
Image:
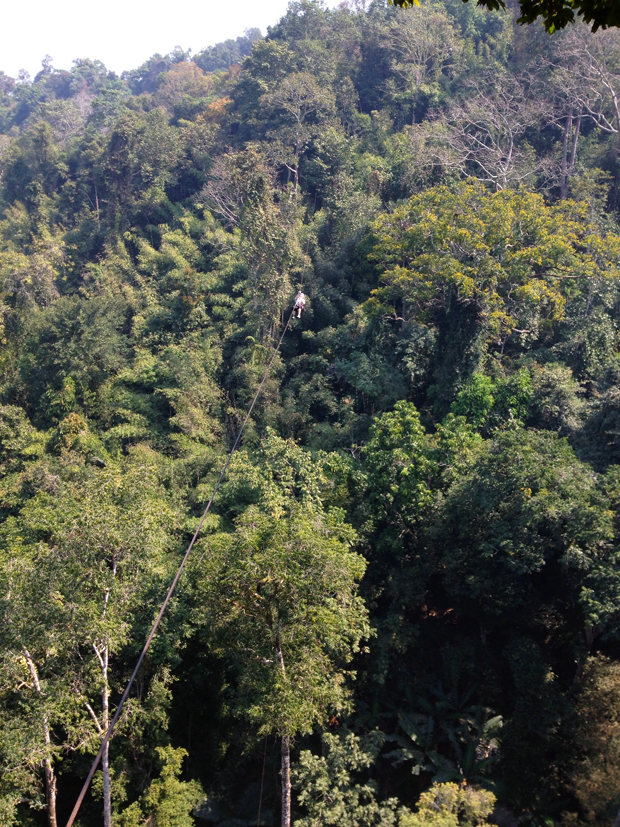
(425, 52)
(280, 592)
(101, 541)
(477, 264)
(243, 191)
(298, 103)
(482, 134)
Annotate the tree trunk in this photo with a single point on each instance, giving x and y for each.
(297, 156)
(48, 768)
(573, 153)
(103, 656)
(50, 792)
(563, 178)
(286, 781)
(105, 755)
(286, 745)
(97, 206)
(568, 164)
(105, 764)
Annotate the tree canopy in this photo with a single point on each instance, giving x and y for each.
(553, 15)
(404, 606)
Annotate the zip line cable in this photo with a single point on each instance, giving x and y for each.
(173, 585)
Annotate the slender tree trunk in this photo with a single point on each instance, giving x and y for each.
(508, 162)
(568, 164)
(102, 651)
(48, 768)
(616, 104)
(286, 781)
(563, 179)
(286, 746)
(50, 790)
(573, 152)
(105, 756)
(97, 206)
(297, 156)
(296, 178)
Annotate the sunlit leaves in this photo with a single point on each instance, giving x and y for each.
(513, 259)
(280, 594)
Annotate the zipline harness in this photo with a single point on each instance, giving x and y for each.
(164, 606)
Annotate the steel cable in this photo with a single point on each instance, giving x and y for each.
(164, 606)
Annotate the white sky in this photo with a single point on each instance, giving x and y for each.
(122, 33)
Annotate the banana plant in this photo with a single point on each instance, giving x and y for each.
(451, 738)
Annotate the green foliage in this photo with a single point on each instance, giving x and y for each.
(557, 399)
(280, 593)
(80, 569)
(276, 474)
(500, 404)
(514, 262)
(514, 513)
(168, 801)
(554, 16)
(329, 789)
(396, 464)
(451, 738)
(475, 400)
(594, 729)
(448, 805)
(447, 406)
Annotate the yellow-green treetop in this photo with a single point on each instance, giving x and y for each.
(514, 260)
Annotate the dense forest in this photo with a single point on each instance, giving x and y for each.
(409, 583)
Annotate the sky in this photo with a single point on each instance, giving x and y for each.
(122, 33)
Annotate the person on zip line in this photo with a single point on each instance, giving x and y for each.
(300, 305)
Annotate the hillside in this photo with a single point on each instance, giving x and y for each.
(410, 577)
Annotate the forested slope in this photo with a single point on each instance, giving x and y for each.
(411, 574)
